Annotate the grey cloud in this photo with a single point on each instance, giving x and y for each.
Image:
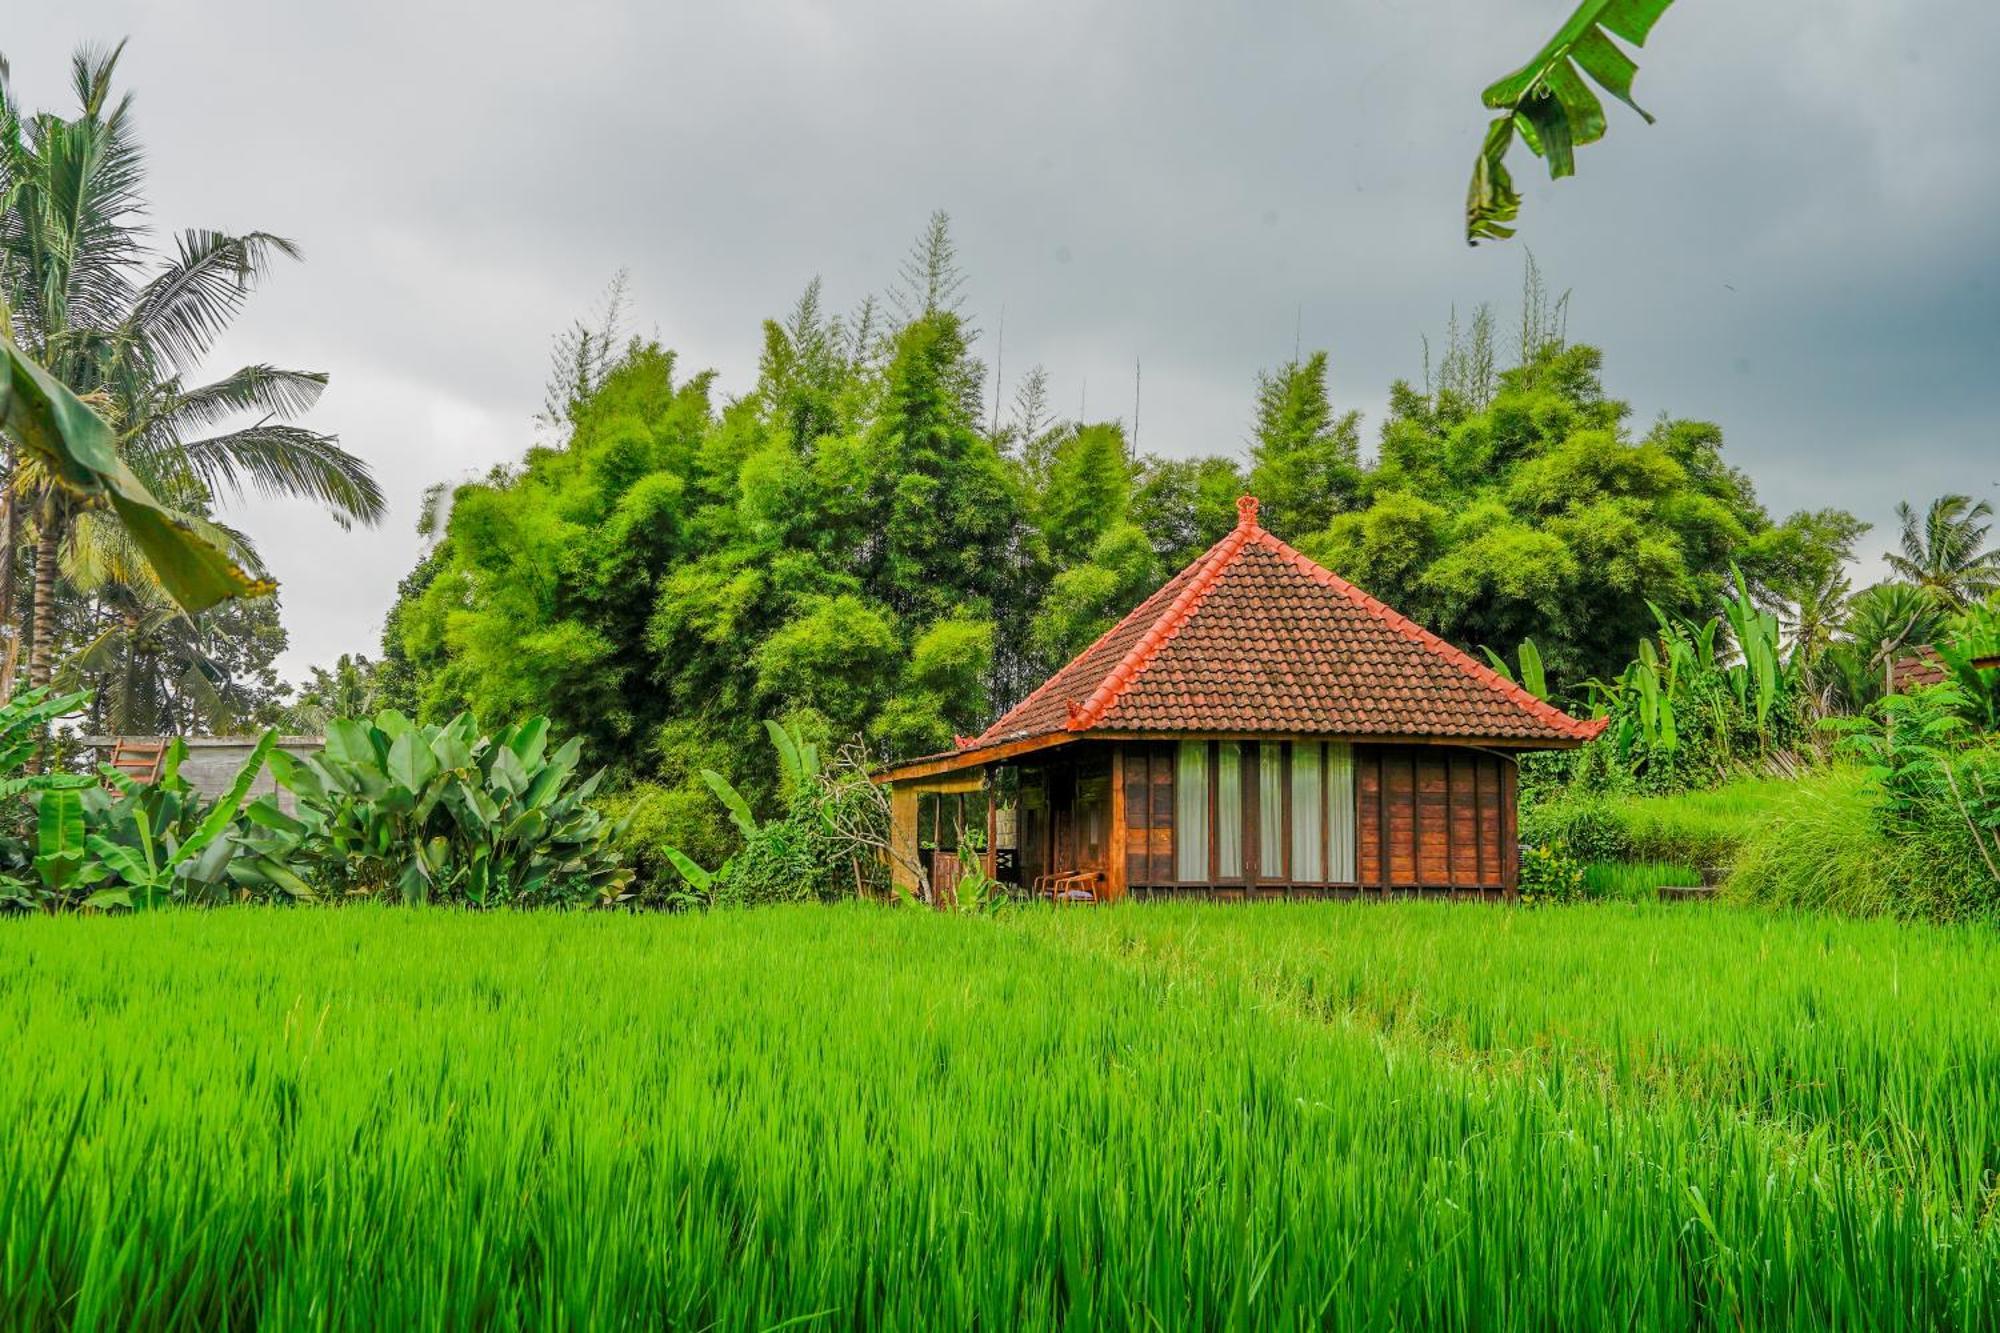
(1800, 249)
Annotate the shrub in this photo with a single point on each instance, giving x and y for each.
(1550, 874)
(1589, 826)
(443, 814)
(826, 842)
(654, 817)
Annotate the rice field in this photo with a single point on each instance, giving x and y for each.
(1314, 1115)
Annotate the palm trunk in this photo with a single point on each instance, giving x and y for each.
(48, 542)
(128, 685)
(9, 508)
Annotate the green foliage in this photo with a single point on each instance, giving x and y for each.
(1537, 516)
(1936, 783)
(853, 540)
(444, 814)
(78, 449)
(1703, 829)
(1550, 874)
(825, 843)
(147, 845)
(1883, 624)
(1967, 639)
(1827, 848)
(25, 721)
(1532, 677)
(1305, 459)
(1945, 552)
(1553, 110)
(662, 830)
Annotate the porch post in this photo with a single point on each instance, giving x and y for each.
(903, 837)
(1114, 869)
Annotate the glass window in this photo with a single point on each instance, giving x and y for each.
(1229, 811)
(1340, 813)
(1271, 810)
(1308, 814)
(1191, 813)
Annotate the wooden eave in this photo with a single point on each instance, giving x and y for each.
(978, 756)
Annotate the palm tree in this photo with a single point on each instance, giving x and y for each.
(1884, 623)
(1945, 551)
(1811, 611)
(88, 303)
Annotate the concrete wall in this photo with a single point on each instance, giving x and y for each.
(213, 762)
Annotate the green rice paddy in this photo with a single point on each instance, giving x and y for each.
(1312, 1115)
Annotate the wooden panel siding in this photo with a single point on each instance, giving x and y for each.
(1434, 818)
(1417, 818)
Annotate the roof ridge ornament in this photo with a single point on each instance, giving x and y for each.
(1246, 511)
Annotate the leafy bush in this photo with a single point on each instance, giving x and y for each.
(653, 818)
(1588, 825)
(142, 845)
(1926, 840)
(443, 814)
(1550, 874)
(825, 843)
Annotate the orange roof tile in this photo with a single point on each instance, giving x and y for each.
(1255, 637)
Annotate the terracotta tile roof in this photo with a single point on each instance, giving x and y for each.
(1254, 637)
(1922, 667)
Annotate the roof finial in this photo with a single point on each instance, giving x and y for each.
(1246, 511)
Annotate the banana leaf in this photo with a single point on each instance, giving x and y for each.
(80, 451)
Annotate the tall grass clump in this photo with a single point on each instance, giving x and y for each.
(1702, 829)
(1635, 880)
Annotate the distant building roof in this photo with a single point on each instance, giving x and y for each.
(1922, 667)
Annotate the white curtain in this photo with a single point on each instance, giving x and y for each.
(1191, 813)
(1308, 812)
(1229, 811)
(1340, 813)
(1271, 810)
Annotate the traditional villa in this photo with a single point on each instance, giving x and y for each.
(1259, 726)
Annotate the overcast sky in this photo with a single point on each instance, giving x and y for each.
(1802, 249)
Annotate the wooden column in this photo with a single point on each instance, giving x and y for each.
(903, 838)
(1115, 878)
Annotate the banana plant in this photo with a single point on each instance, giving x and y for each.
(443, 814)
(24, 719)
(61, 858)
(148, 848)
(1532, 677)
(1756, 680)
(80, 451)
(799, 768)
(798, 758)
(1551, 108)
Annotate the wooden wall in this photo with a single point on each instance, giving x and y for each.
(1426, 819)
(1148, 773)
(1434, 817)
